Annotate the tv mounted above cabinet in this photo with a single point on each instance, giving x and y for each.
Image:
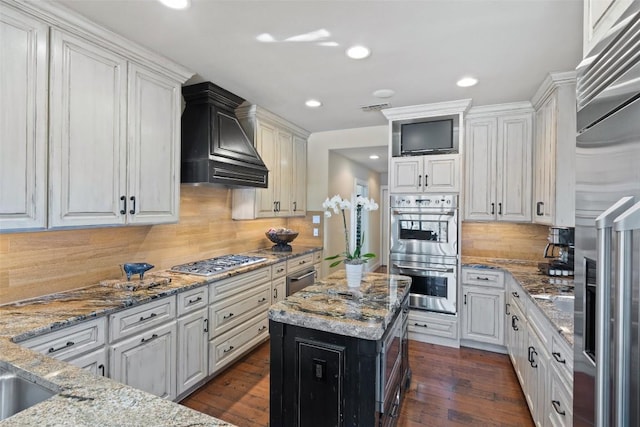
(433, 135)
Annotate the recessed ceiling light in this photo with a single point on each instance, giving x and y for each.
(358, 52)
(467, 82)
(313, 103)
(265, 38)
(176, 4)
(374, 157)
(383, 93)
(329, 44)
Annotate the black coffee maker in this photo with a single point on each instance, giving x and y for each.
(560, 252)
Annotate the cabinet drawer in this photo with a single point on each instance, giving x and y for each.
(560, 402)
(238, 284)
(279, 270)
(138, 319)
(225, 349)
(232, 311)
(299, 263)
(562, 356)
(483, 277)
(70, 342)
(192, 300)
(539, 323)
(517, 296)
(431, 325)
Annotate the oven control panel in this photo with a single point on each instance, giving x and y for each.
(425, 201)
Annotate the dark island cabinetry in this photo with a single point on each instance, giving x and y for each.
(345, 367)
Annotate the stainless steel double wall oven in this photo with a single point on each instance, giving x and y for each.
(424, 246)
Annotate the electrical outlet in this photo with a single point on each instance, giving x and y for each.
(316, 219)
(315, 232)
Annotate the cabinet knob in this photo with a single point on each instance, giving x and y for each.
(419, 180)
(133, 208)
(124, 205)
(539, 206)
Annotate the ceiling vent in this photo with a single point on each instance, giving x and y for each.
(375, 107)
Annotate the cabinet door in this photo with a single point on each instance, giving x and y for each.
(483, 320)
(23, 122)
(278, 290)
(266, 145)
(299, 183)
(147, 361)
(153, 147)
(406, 174)
(87, 133)
(536, 388)
(442, 173)
(514, 151)
(545, 162)
(94, 362)
(285, 167)
(517, 328)
(193, 334)
(480, 194)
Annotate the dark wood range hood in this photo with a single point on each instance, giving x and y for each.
(215, 148)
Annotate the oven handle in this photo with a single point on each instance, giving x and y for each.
(429, 213)
(438, 269)
(303, 276)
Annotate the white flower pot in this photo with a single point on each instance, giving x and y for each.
(354, 274)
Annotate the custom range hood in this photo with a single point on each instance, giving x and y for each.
(215, 148)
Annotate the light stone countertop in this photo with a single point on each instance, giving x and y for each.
(330, 305)
(84, 399)
(535, 284)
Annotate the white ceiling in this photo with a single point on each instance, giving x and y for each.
(361, 156)
(419, 49)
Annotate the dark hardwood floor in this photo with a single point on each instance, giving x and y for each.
(450, 387)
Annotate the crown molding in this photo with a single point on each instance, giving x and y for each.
(427, 110)
(253, 111)
(551, 82)
(500, 109)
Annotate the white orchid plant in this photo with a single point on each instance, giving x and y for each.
(338, 205)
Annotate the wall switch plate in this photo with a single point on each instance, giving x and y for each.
(316, 219)
(315, 232)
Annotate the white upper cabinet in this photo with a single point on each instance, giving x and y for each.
(283, 149)
(554, 151)
(88, 134)
(153, 147)
(105, 111)
(599, 18)
(425, 174)
(24, 69)
(498, 164)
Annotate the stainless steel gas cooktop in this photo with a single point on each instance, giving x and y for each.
(211, 266)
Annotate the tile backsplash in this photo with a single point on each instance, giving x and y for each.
(504, 240)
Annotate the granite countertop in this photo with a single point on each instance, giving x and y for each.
(85, 399)
(330, 305)
(538, 287)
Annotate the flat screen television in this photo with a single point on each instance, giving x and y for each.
(425, 135)
(429, 137)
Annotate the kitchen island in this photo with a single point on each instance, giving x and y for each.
(339, 355)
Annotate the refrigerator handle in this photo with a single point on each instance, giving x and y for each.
(604, 226)
(624, 225)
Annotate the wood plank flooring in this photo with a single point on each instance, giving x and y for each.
(450, 387)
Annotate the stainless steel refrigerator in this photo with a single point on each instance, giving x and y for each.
(607, 233)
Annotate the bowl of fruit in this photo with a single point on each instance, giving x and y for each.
(281, 237)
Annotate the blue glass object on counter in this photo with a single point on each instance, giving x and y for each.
(136, 268)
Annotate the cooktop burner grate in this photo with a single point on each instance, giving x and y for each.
(211, 266)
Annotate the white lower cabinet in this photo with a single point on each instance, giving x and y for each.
(482, 304)
(148, 361)
(226, 348)
(536, 378)
(482, 315)
(278, 290)
(541, 358)
(193, 333)
(433, 328)
(94, 362)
